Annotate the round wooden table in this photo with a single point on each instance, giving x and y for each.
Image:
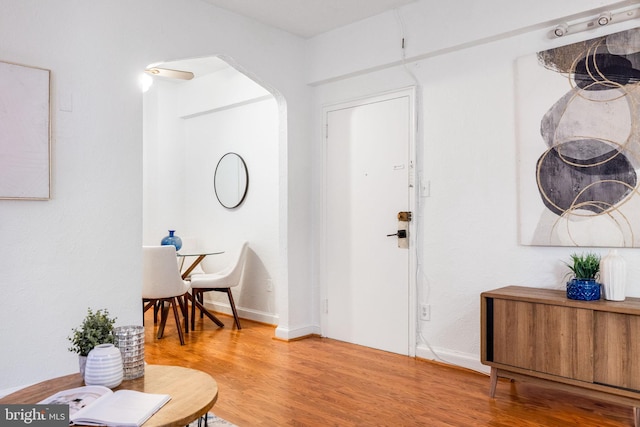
(193, 393)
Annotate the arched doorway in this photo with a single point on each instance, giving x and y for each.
(189, 124)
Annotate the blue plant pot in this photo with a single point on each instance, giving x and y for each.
(583, 289)
(172, 239)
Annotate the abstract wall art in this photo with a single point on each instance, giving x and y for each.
(578, 124)
(24, 132)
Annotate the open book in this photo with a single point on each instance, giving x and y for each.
(97, 405)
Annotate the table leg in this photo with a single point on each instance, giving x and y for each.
(193, 265)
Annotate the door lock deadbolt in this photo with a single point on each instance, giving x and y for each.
(402, 234)
(404, 216)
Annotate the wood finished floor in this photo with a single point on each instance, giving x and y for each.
(323, 382)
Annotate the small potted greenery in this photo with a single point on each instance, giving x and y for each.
(585, 269)
(96, 328)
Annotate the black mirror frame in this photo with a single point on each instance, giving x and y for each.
(246, 174)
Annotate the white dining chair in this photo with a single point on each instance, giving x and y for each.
(221, 281)
(162, 283)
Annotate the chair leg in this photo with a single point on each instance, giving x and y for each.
(174, 303)
(159, 305)
(146, 305)
(184, 308)
(201, 301)
(185, 298)
(164, 313)
(194, 298)
(233, 308)
(156, 307)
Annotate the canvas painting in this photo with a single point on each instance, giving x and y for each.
(578, 124)
(24, 132)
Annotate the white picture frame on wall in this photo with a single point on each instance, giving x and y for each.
(25, 136)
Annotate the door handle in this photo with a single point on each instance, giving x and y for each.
(402, 234)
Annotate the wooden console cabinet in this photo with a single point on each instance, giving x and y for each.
(587, 347)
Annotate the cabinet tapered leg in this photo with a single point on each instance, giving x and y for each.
(493, 382)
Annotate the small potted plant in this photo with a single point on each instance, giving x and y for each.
(96, 328)
(585, 269)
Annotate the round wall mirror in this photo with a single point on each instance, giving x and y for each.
(231, 180)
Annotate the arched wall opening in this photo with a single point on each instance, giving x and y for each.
(188, 126)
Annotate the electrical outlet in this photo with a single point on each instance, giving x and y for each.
(269, 285)
(425, 312)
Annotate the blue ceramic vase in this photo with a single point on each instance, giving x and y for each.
(583, 289)
(172, 239)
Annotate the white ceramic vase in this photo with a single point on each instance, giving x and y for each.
(613, 276)
(104, 366)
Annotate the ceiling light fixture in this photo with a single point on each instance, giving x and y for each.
(605, 18)
(172, 74)
(145, 82)
(561, 30)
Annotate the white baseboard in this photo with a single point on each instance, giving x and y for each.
(268, 318)
(293, 333)
(255, 315)
(464, 360)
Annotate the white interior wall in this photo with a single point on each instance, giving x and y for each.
(251, 132)
(163, 163)
(467, 155)
(82, 248)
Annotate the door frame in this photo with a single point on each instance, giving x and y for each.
(409, 92)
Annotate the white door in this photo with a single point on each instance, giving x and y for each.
(368, 167)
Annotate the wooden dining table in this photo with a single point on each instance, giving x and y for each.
(199, 257)
(193, 392)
